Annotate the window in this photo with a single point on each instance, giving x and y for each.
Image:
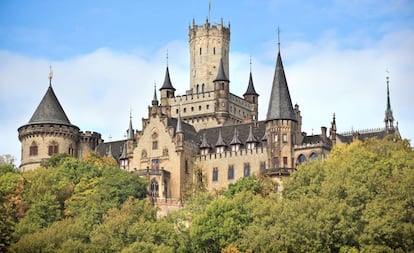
(154, 188)
(285, 162)
(214, 50)
(276, 162)
(200, 50)
(155, 145)
(33, 149)
(247, 169)
(215, 174)
(207, 107)
(53, 148)
(276, 138)
(202, 87)
(155, 164)
(185, 109)
(192, 108)
(301, 158)
(71, 151)
(235, 147)
(197, 88)
(219, 149)
(251, 145)
(263, 166)
(199, 107)
(186, 167)
(313, 156)
(176, 111)
(230, 172)
(284, 137)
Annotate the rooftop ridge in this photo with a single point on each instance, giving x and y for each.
(363, 131)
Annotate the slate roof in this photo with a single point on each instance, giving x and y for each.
(49, 111)
(189, 131)
(379, 133)
(115, 147)
(280, 104)
(221, 75)
(313, 139)
(167, 81)
(227, 132)
(250, 87)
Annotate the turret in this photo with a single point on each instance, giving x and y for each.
(166, 92)
(208, 44)
(179, 135)
(221, 88)
(281, 121)
(332, 133)
(252, 97)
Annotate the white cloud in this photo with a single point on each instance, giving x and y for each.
(98, 89)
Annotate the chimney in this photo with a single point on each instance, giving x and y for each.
(323, 133)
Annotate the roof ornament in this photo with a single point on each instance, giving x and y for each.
(209, 9)
(167, 57)
(278, 38)
(50, 75)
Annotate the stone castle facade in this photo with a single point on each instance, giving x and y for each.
(209, 134)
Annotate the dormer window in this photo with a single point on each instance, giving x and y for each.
(220, 149)
(235, 147)
(251, 145)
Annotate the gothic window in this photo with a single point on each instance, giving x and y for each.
(199, 107)
(192, 108)
(207, 107)
(197, 88)
(247, 169)
(301, 158)
(285, 162)
(33, 151)
(230, 172)
(313, 156)
(215, 174)
(284, 137)
(154, 188)
(185, 109)
(53, 148)
(202, 87)
(176, 111)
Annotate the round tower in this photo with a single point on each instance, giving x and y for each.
(48, 132)
(208, 44)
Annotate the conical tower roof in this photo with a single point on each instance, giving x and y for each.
(250, 87)
(280, 104)
(220, 141)
(179, 127)
(49, 111)
(204, 142)
(221, 75)
(167, 81)
(251, 138)
(236, 139)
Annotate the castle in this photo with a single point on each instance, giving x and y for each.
(209, 134)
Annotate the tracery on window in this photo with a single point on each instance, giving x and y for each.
(33, 151)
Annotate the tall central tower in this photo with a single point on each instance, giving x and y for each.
(208, 44)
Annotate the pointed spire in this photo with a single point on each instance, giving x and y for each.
(155, 99)
(179, 128)
(221, 75)
(236, 139)
(280, 104)
(251, 138)
(204, 143)
(49, 110)
(220, 141)
(130, 131)
(167, 81)
(250, 87)
(389, 118)
(333, 124)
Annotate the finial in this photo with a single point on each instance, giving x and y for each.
(130, 113)
(278, 38)
(250, 64)
(209, 9)
(167, 57)
(50, 75)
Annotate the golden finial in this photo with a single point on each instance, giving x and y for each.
(50, 75)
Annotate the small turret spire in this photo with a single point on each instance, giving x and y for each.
(389, 118)
(130, 131)
(179, 128)
(155, 99)
(221, 75)
(278, 38)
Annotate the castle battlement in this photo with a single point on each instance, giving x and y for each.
(209, 27)
(239, 101)
(243, 152)
(195, 97)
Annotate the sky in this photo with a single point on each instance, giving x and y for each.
(107, 55)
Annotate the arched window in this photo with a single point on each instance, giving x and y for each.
(197, 89)
(301, 158)
(154, 188)
(33, 149)
(202, 87)
(215, 174)
(246, 169)
(313, 156)
(53, 148)
(71, 151)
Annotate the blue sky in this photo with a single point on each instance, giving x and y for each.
(106, 56)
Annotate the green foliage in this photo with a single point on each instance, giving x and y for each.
(359, 199)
